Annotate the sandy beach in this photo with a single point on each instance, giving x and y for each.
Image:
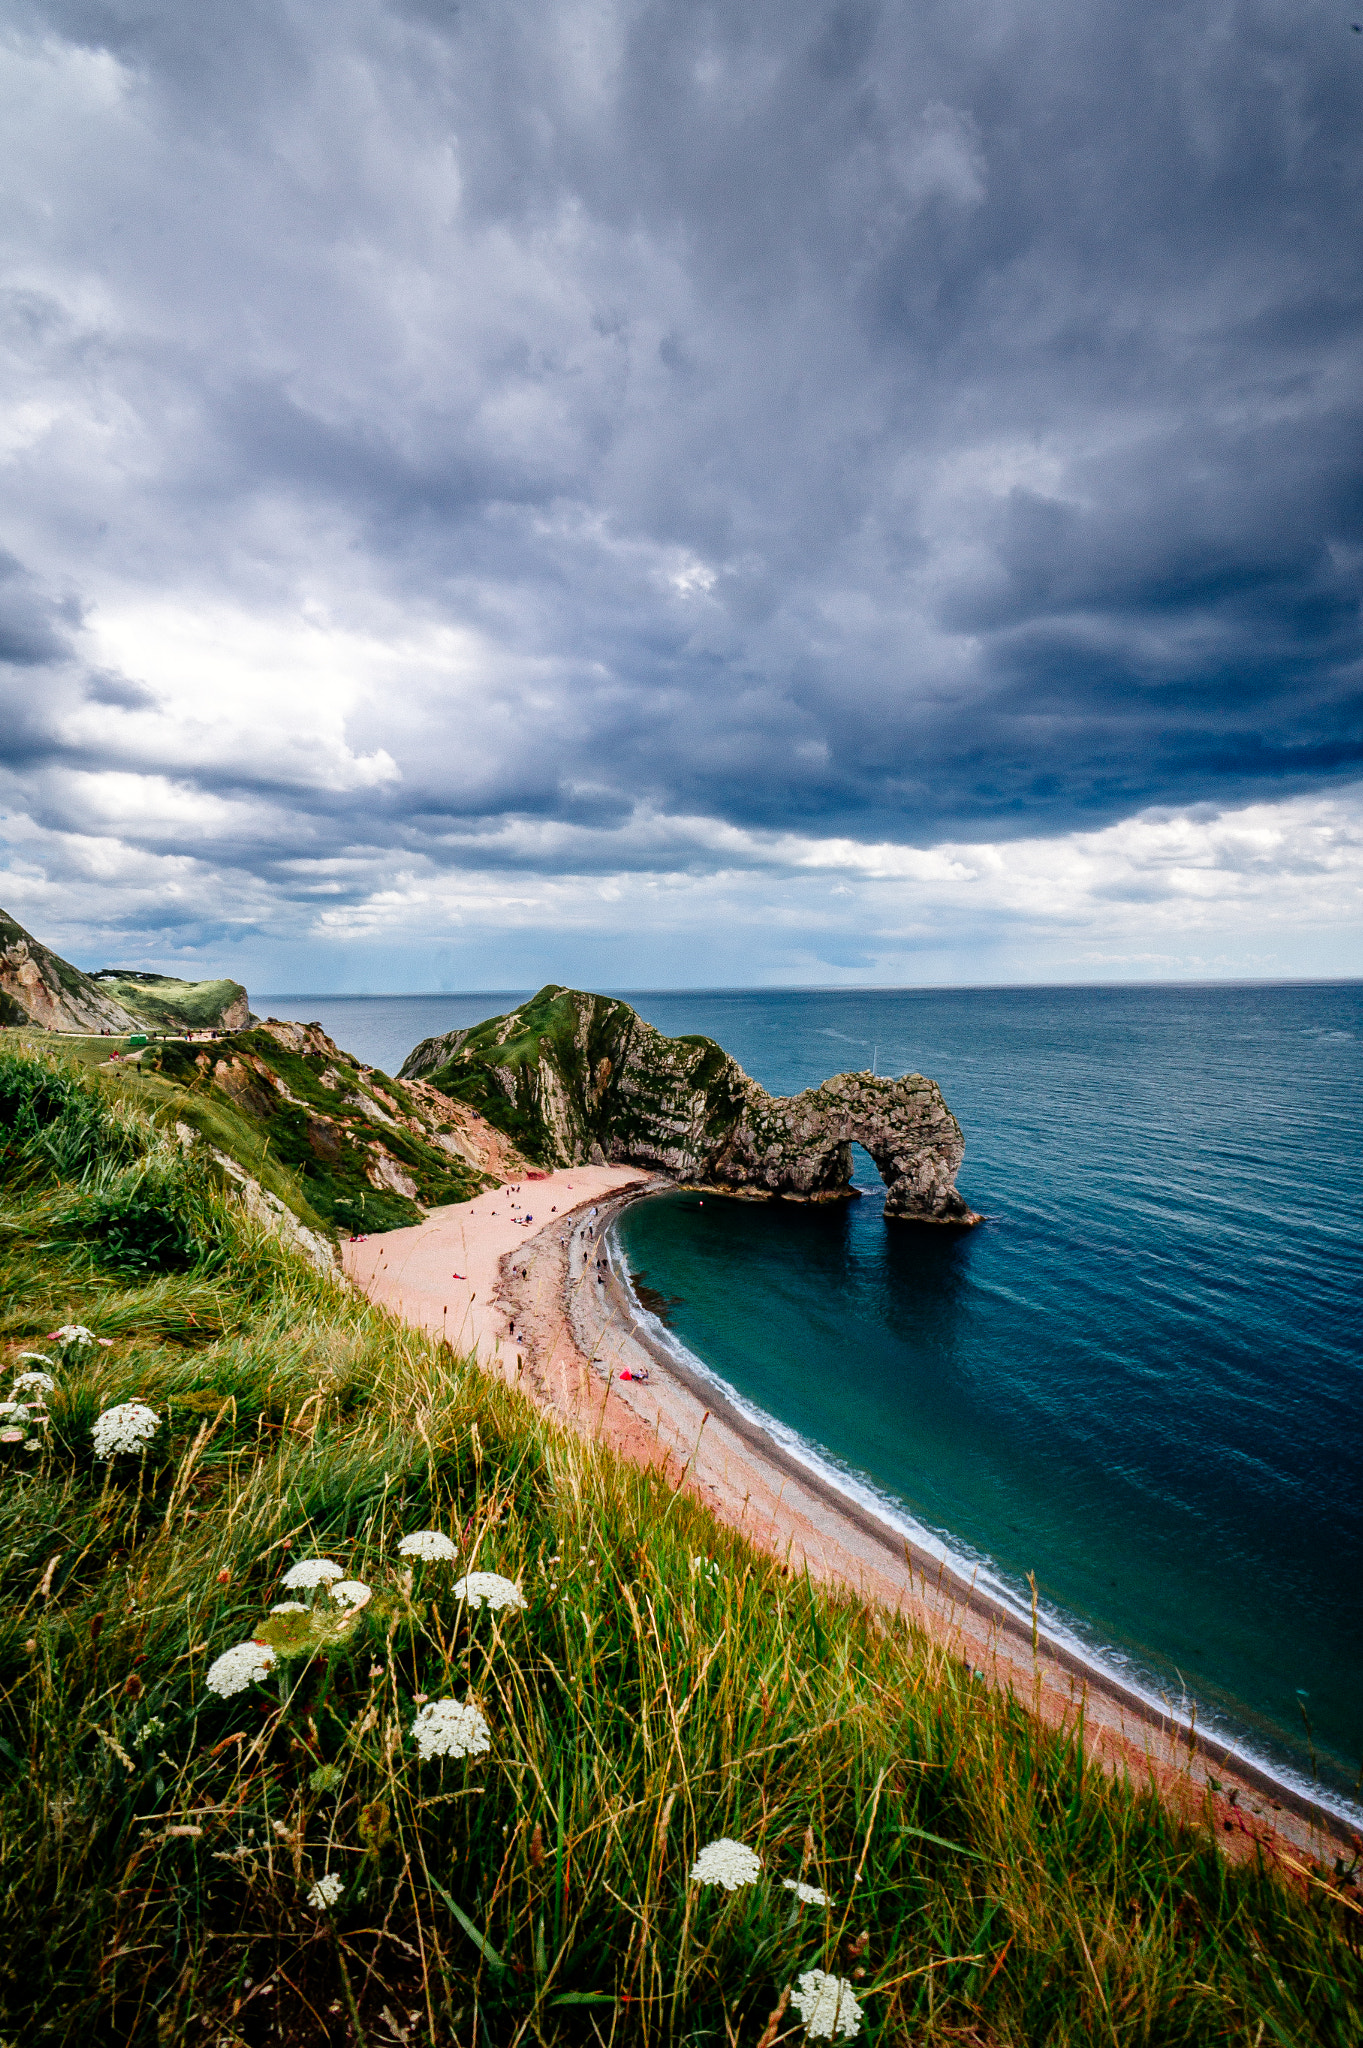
(520, 1279)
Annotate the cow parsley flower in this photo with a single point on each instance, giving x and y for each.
(11, 1436)
(726, 1862)
(351, 1592)
(13, 1411)
(430, 1544)
(41, 1382)
(309, 1572)
(444, 1728)
(827, 2006)
(129, 1427)
(33, 1358)
(244, 1664)
(289, 1607)
(325, 1892)
(489, 1589)
(807, 1894)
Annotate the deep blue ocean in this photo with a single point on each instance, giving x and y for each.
(1140, 1378)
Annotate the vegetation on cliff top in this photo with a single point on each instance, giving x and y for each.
(169, 1004)
(276, 1862)
(338, 1143)
(568, 1070)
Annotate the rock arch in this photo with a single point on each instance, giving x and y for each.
(800, 1146)
(574, 1076)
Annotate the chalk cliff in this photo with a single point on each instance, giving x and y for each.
(38, 987)
(573, 1077)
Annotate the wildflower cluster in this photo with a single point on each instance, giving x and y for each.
(310, 1572)
(125, 1429)
(351, 1593)
(429, 1544)
(444, 1728)
(244, 1664)
(726, 1862)
(489, 1589)
(25, 1411)
(826, 2005)
(807, 1894)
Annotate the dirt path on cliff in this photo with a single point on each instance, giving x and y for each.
(540, 1303)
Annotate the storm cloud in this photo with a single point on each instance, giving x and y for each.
(452, 450)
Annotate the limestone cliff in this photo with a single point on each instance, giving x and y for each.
(336, 1141)
(38, 987)
(571, 1077)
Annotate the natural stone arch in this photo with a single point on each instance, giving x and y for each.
(801, 1145)
(573, 1076)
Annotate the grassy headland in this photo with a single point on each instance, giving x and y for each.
(664, 1685)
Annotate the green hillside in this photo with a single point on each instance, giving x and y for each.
(171, 1005)
(164, 1830)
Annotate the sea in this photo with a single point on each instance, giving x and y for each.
(1139, 1381)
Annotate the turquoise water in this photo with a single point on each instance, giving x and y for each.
(1140, 1378)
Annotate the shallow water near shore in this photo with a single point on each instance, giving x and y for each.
(1138, 1379)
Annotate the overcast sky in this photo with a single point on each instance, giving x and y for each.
(647, 494)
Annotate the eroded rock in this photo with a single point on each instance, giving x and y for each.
(575, 1077)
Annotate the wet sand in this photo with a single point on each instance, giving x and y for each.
(539, 1302)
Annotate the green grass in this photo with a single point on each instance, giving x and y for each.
(666, 1685)
(167, 1003)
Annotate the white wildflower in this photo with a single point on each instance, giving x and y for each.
(35, 1443)
(74, 1333)
(43, 1382)
(827, 2006)
(807, 1894)
(444, 1728)
(309, 1572)
(489, 1589)
(33, 1358)
(11, 1436)
(351, 1592)
(325, 1892)
(726, 1862)
(430, 1544)
(244, 1664)
(13, 1411)
(289, 1607)
(128, 1427)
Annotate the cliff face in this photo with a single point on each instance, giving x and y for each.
(38, 987)
(347, 1147)
(573, 1077)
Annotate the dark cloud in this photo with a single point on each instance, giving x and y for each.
(904, 423)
